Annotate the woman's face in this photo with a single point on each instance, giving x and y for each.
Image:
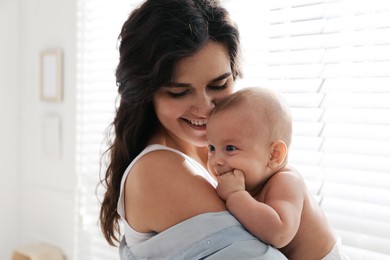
(184, 105)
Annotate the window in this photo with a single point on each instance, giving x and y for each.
(99, 24)
(330, 60)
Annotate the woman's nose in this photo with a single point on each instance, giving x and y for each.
(203, 105)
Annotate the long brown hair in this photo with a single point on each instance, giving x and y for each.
(154, 37)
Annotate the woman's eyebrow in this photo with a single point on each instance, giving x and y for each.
(186, 85)
(223, 76)
(177, 85)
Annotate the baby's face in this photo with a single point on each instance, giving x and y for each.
(236, 141)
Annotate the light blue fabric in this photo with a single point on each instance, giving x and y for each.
(207, 236)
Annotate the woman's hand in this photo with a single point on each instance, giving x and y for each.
(229, 183)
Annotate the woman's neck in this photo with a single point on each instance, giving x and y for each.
(199, 154)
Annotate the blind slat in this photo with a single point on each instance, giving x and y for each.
(340, 49)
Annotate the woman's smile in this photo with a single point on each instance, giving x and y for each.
(197, 123)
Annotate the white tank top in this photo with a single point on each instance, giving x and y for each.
(132, 236)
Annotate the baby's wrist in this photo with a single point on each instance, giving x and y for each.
(235, 197)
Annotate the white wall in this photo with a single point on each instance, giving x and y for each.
(41, 186)
(9, 130)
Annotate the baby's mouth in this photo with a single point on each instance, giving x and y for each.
(223, 172)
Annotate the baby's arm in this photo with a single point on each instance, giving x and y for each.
(275, 221)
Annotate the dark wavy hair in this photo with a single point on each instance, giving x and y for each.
(153, 39)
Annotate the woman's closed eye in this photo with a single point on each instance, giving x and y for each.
(218, 87)
(181, 93)
(177, 94)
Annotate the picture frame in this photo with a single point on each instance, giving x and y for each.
(51, 75)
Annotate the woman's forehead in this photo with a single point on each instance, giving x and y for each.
(208, 63)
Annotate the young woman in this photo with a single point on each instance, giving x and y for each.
(178, 58)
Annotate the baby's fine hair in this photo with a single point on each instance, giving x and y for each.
(267, 105)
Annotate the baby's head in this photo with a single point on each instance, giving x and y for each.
(263, 110)
(255, 119)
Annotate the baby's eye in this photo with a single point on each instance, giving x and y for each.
(230, 148)
(211, 148)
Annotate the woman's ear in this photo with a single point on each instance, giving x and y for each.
(278, 152)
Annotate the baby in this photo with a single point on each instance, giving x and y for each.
(249, 135)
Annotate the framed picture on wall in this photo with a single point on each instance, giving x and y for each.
(51, 75)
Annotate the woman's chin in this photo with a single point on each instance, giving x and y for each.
(199, 141)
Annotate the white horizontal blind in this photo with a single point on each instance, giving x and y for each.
(99, 25)
(331, 61)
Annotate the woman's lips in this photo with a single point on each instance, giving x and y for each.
(199, 124)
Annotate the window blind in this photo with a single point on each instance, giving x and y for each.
(99, 24)
(328, 58)
(331, 60)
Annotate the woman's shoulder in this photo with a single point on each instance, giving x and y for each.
(157, 158)
(168, 166)
(166, 186)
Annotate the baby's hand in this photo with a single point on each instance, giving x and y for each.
(229, 183)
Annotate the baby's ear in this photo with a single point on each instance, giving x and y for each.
(278, 152)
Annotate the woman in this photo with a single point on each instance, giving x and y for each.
(178, 58)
